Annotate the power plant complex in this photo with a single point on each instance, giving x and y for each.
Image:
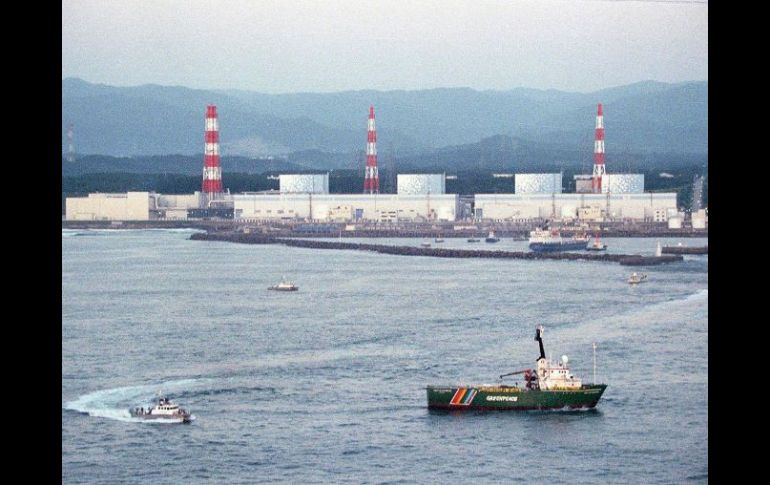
(600, 196)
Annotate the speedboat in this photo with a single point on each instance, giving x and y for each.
(637, 278)
(439, 239)
(473, 240)
(164, 411)
(284, 286)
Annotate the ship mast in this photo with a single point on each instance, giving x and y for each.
(539, 338)
(594, 362)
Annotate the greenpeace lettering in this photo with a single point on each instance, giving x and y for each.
(503, 398)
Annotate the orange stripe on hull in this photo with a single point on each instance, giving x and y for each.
(458, 396)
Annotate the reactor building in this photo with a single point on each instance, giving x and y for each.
(421, 184)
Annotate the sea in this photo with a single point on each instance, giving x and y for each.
(327, 384)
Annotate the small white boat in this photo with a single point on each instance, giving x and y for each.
(164, 411)
(637, 278)
(425, 244)
(491, 238)
(284, 286)
(439, 239)
(596, 245)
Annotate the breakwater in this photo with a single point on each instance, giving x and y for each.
(433, 252)
(685, 250)
(430, 230)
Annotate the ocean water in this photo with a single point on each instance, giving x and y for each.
(327, 385)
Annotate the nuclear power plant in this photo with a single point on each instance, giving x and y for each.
(600, 196)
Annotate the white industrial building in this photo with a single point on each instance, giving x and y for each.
(134, 206)
(623, 183)
(614, 183)
(699, 219)
(421, 184)
(640, 206)
(131, 206)
(346, 207)
(303, 183)
(176, 206)
(537, 183)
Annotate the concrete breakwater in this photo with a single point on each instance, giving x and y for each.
(685, 250)
(434, 252)
(329, 230)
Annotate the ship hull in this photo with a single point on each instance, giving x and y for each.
(163, 418)
(507, 398)
(556, 247)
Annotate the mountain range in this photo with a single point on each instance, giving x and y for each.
(328, 130)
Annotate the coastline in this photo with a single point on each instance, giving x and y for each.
(425, 230)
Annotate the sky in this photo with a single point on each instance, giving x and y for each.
(287, 46)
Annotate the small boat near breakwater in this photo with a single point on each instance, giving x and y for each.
(637, 278)
(284, 286)
(491, 238)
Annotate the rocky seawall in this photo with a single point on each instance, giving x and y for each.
(244, 238)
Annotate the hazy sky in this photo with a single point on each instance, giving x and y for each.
(334, 45)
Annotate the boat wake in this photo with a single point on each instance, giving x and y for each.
(104, 232)
(684, 314)
(115, 403)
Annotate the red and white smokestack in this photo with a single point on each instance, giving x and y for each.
(599, 169)
(212, 172)
(371, 177)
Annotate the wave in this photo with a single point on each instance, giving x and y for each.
(702, 294)
(675, 315)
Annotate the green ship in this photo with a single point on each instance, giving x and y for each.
(550, 386)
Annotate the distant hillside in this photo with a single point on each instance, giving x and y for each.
(152, 120)
(505, 153)
(176, 164)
